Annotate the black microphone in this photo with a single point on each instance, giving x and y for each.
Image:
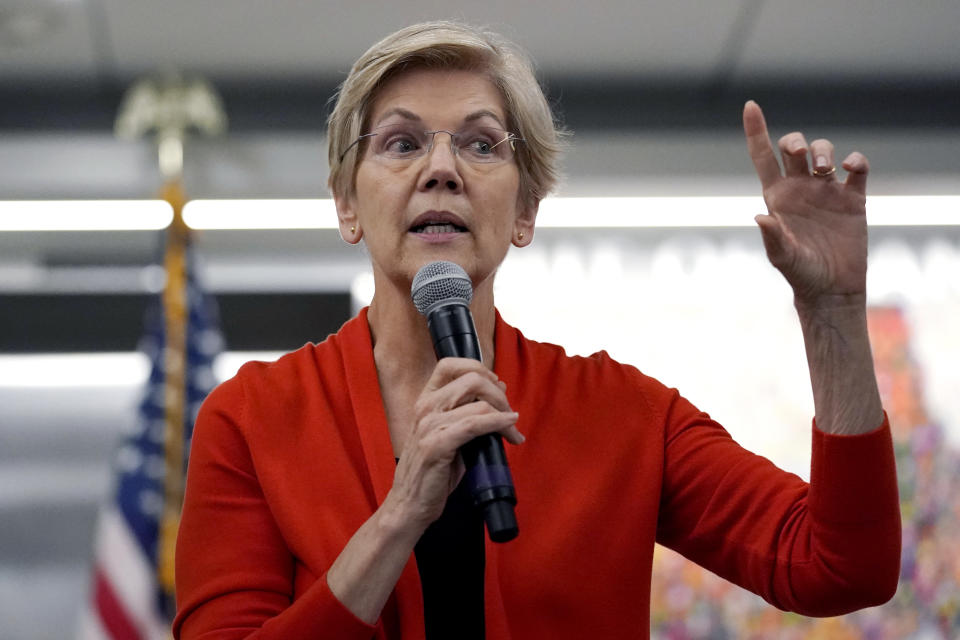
(442, 292)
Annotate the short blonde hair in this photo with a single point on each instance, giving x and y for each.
(449, 45)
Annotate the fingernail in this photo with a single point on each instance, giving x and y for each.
(821, 162)
(523, 438)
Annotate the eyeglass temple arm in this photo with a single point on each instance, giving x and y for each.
(355, 143)
(511, 138)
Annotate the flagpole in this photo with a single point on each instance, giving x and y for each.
(176, 312)
(169, 105)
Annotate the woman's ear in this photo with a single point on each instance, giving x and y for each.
(524, 225)
(350, 229)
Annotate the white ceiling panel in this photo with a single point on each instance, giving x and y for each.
(46, 39)
(817, 38)
(256, 39)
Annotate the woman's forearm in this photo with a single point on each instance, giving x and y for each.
(366, 571)
(845, 394)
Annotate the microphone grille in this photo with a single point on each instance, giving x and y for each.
(440, 282)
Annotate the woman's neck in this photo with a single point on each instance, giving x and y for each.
(403, 351)
(402, 347)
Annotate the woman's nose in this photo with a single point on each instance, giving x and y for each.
(441, 166)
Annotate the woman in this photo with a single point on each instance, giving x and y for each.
(314, 481)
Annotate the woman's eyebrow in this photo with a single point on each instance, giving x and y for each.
(409, 115)
(484, 113)
(399, 111)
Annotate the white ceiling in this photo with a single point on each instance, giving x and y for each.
(88, 40)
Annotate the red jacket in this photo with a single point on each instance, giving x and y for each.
(290, 458)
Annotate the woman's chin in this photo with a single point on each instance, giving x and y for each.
(454, 246)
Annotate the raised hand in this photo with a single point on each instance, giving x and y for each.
(815, 231)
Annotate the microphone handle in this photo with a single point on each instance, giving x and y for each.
(488, 476)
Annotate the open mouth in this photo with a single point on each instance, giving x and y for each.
(437, 227)
(437, 223)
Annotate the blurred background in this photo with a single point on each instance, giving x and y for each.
(652, 92)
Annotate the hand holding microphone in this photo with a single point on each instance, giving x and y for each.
(442, 292)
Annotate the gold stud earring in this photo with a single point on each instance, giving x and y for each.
(520, 236)
(353, 229)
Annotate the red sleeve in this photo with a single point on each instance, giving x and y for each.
(820, 549)
(234, 573)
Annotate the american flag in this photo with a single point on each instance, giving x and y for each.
(129, 597)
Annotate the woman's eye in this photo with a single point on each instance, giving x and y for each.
(401, 144)
(480, 146)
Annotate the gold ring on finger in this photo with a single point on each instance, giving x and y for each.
(823, 173)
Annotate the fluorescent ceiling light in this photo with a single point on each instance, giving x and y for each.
(84, 215)
(729, 211)
(73, 370)
(580, 213)
(111, 369)
(261, 214)
(555, 213)
(913, 211)
(648, 212)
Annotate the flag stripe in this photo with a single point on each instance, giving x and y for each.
(112, 614)
(124, 565)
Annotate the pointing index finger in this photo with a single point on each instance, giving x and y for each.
(759, 145)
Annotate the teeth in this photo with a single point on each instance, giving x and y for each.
(438, 228)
